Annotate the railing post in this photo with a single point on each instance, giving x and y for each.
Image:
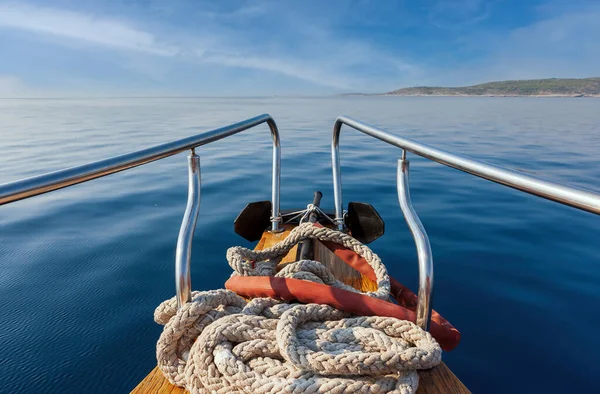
(183, 254)
(337, 175)
(275, 178)
(421, 241)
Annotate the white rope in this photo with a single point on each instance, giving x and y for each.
(305, 213)
(219, 343)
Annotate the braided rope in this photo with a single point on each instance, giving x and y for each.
(220, 343)
(248, 262)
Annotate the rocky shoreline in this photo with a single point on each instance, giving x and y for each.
(485, 95)
(550, 87)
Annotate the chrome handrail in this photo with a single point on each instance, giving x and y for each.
(579, 198)
(183, 252)
(33, 186)
(419, 234)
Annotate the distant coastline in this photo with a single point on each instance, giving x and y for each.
(550, 87)
(549, 95)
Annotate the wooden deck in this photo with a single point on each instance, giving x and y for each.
(437, 380)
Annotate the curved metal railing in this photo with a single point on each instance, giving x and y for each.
(566, 195)
(29, 187)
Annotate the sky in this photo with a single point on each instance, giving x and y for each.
(93, 48)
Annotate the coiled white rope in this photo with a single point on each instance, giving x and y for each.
(220, 343)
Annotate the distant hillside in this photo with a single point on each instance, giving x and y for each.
(568, 87)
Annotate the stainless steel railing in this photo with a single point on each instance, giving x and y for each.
(29, 187)
(566, 195)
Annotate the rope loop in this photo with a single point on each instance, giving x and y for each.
(246, 262)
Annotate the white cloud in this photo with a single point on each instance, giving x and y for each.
(73, 25)
(298, 48)
(459, 14)
(290, 68)
(562, 46)
(563, 43)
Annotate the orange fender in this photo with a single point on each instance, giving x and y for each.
(309, 292)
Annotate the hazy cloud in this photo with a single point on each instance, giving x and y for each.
(11, 86)
(318, 56)
(77, 26)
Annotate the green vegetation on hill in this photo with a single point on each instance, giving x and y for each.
(532, 87)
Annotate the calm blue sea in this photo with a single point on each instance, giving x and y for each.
(82, 269)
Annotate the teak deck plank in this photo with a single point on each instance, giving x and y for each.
(269, 239)
(438, 380)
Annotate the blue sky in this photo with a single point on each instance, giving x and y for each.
(188, 47)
